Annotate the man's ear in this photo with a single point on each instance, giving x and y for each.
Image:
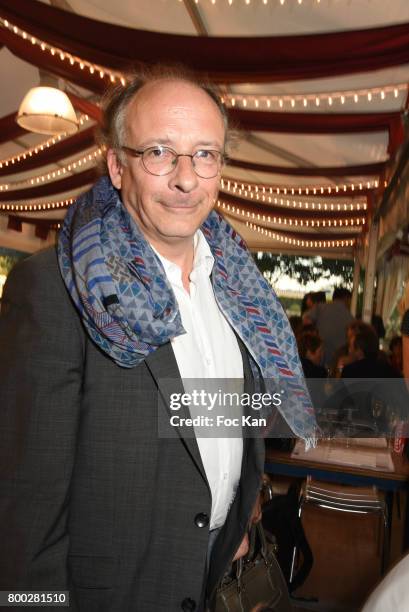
(114, 168)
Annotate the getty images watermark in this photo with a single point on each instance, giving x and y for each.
(226, 400)
(215, 408)
(358, 407)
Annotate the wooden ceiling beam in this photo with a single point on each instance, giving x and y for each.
(62, 4)
(196, 17)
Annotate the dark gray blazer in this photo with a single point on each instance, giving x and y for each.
(91, 499)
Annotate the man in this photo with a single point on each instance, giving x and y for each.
(94, 345)
(332, 321)
(395, 353)
(371, 396)
(310, 350)
(366, 359)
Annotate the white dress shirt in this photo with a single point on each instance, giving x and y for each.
(208, 349)
(392, 594)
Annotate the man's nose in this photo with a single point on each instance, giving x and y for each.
(184, 177)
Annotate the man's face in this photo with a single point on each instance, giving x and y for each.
(397, 353)
(316, 356)
(169, 209)
(355, 352)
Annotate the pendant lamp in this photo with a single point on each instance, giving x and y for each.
(47, 110)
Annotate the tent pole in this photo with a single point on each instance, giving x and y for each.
(357, 273)
(370, 270)
(380, 290)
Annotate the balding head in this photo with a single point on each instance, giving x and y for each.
(118, 99)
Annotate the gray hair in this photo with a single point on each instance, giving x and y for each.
(116, 100)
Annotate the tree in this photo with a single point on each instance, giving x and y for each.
(8, 259)
(304, 269)
(7, 262)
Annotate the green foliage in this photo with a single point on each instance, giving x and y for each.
(6, 263)
(304, 269)
(292, 306)
(8, 259)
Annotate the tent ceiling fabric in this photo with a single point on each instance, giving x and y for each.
(317, 91)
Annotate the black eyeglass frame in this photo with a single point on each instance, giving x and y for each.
(140, 153)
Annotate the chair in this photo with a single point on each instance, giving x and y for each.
(340, 498)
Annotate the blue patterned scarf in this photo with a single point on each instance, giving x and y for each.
(129, 309)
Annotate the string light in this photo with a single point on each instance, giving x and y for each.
(227, 183)
(94, 69)
(102, 72)
(50, 176)
(265, 192)
(313, 244)
(246, 100)
(263, 101)
(15, 159)
(235, 209)
(30, 207)
(302, 205)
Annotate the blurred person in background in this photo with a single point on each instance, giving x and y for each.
(365, 356)
(319, 297)
(331, 320)
(341, 359)
(373, 400)
(312, 298)
(307, 302)
(310, 350)
(353, 328)
(395, 353)
(379, 327)
(296, 324)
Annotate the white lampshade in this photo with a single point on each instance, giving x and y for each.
(47, 110)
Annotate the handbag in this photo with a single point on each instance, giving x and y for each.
(256, 581)
(281, 518)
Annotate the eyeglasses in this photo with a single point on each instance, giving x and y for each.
(161, 160)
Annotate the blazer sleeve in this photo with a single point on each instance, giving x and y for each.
(41, 357)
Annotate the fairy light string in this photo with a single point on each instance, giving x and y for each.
(36, 207)
(300, 242)
(316, 223)
(33, 151)
(262, 101)
(88, 159)
(232, 185)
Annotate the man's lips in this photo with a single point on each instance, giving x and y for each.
(180, 205)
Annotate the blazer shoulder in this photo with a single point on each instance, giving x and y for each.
(45, 260)
(36, 283)
(38, 273)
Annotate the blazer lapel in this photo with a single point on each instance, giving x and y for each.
(164, 369)
(248, 374)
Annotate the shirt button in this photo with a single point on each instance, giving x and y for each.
(188, 605)
(201, 520)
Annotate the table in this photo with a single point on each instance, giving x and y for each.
(281, 463)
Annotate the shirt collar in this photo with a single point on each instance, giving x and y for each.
(203, 255)
(203, 260)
